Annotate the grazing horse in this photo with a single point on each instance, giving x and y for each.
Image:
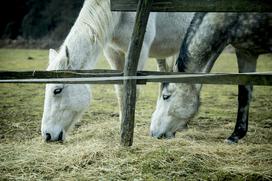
(207, 36)
(98, 29)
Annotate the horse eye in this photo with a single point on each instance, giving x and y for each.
(57, 91)
(165, 97)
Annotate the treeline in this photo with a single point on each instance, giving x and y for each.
(37, 19)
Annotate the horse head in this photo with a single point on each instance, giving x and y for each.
(177, 104)
(64, 103)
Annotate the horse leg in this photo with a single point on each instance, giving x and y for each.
(142, 61)
(162, 67)
(165, 65)
(116, 60)
(170, 62)
(246, 63)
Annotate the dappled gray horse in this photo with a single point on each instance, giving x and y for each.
(207, 36)
(98, 29)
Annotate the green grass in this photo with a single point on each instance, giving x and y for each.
(92, 150)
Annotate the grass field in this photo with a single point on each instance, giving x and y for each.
(92, 150)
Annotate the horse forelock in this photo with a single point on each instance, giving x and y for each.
(182, 60)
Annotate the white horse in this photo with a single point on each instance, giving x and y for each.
(97, 29)
(207, 36)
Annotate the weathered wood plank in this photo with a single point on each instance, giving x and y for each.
(131, 64)
(58, 74)
(197, 5)
(149, 76)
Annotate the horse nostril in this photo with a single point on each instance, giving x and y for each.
(60, 136)
(47, 137)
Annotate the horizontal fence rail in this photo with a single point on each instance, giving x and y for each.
(197, 5)
(116, 77)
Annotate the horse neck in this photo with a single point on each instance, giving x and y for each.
(90, 33)
(206, 38)
(83, 51)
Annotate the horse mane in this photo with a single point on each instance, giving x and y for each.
(97, 17)
(182, 60)
(94, 24)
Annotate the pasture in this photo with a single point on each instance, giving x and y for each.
(92, 150)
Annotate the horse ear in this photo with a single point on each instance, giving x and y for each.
(69, 66)
(67, 53)
(52, 55)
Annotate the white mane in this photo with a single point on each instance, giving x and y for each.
(92, 28)
(97, 17)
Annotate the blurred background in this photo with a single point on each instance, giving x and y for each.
(36, 23)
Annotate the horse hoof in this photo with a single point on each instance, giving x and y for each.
(231, 140)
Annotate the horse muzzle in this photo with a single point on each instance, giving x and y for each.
(49, 137)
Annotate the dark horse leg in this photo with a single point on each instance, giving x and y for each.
(246, 63)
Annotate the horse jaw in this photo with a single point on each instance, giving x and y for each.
(172, 114)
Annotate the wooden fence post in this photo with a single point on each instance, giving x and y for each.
(132, 59)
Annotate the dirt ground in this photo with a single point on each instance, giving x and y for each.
(92, 151)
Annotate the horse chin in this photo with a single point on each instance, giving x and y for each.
(167, 135)
(170, 133)
(182, 128)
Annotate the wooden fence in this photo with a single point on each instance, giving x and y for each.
(100, 76)
(196, 5)
(130, 77)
